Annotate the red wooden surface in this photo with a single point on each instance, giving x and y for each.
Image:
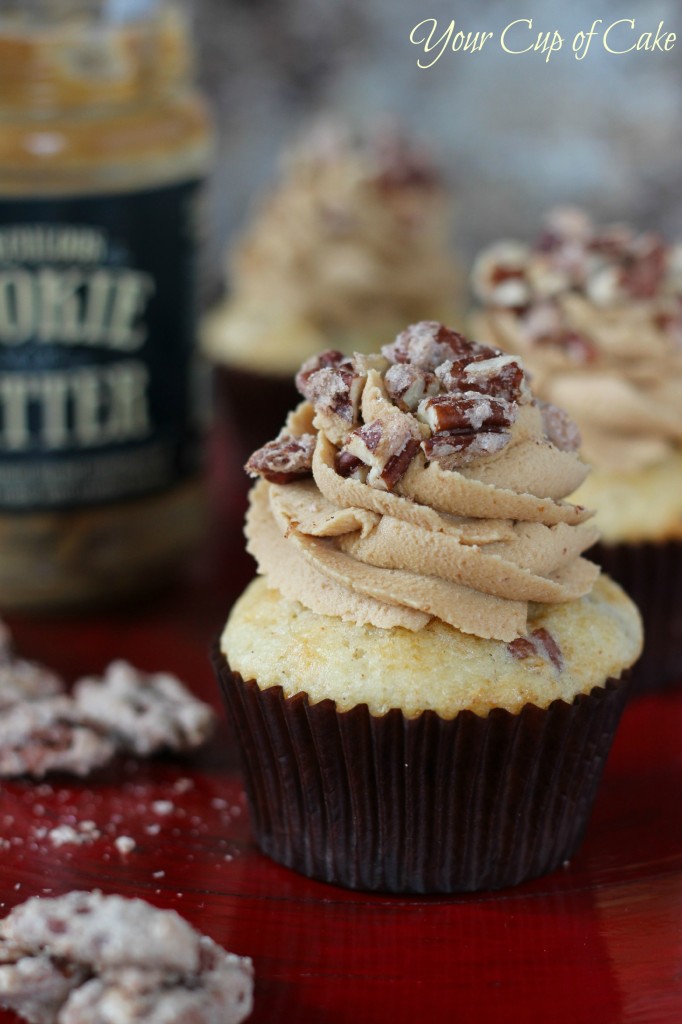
(599, 942)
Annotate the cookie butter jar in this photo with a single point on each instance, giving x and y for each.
(103, 146)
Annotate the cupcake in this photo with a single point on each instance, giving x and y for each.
(596, 314)
(352, 243)
(426, 676)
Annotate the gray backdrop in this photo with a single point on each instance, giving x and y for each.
(514, 134)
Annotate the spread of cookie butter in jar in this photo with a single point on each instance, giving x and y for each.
(103, 146)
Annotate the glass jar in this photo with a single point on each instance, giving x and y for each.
(104, 142)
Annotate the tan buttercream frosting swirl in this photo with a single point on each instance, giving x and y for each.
(426, 482)
(352, 243)
(597, 316)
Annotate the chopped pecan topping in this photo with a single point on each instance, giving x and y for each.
(398, 464)
(577, 347)
(499, 275)
(407, 385)
(452, 449)
(283, 460)
(428, 344)
(387, 447)
(84, 957)
(50, 735)
(497, 375)
(559, 427)
(644, 267)
(468, 411)
(540, 644)
(333, 387)
(348, 465)
(331, 358)
(401, 166)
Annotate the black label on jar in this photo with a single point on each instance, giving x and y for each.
(97, 330)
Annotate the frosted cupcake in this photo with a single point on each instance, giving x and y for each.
(596, 314)
(352, 243)
(426, 676)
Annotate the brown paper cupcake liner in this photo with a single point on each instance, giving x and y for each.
(422, 805)
(651, 573)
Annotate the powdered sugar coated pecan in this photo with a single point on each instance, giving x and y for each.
(427, 344)
(407, 384)
(559, 427)
(283, 460)
(144, 712)
(387, 446)
(454, 449)
(499, 275)
(26, 680)
(95, 958)
(494, 374)
(468, 411)
(50, 735)
(332, 384)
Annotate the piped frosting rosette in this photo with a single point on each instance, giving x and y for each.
(352, 242)
(597, 315)
(423, 482)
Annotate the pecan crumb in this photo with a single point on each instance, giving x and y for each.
(540, 644)
(546, 642)
(521, 648)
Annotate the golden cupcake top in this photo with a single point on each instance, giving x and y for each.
(422, 482)
(597, 315)
(352, 242)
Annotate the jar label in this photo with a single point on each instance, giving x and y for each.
(97, 331)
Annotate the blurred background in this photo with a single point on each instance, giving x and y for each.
(513, 134)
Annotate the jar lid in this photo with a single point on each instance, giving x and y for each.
(63, 54)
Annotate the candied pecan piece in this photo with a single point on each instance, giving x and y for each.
(283, 460)
(26, 680)
(400, 165)
(468, 411)
(398, 464)
(407, 385)
(144, 713)
(331, 358)
(576, 346)
(348, 465)
(644, 267)
(499, 375)
(499, 275)
(428, 344)
(84, 957)
(452, 449)
(36, 987)
(559, 427)
(335, 390)
(387, 447)
(49, 735)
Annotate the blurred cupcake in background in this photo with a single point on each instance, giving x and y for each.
(352, 242)
(596, 314)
